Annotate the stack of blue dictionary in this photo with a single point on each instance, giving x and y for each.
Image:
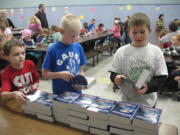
(61, 105)
(146, 121)
(40, 104)
(121, 116)
(78, 117)
(98, 115)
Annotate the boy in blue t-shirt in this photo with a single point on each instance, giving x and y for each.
(92, 25)
(65, 58)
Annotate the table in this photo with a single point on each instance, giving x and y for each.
(94, 37)
(20, 124)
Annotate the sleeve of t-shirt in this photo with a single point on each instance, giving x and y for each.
(49, 60)
(82, 57)
(160, 65)
(6, 83)
(165, 39)
(35, 74)
(116, 63)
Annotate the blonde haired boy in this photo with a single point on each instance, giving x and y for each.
(65, 58)
(130, 60)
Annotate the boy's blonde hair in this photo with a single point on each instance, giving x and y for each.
(138, 19)
(11, 43)
(35, 18)
(70, 23)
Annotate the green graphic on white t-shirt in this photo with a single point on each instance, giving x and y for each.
(134, 73)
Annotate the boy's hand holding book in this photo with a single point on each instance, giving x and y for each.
(119, 80)
(66, 75)
(20, 97)
(141, 91)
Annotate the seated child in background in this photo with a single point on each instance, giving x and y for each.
(26, 37)
(44, 39)
(162, 33)
(84, 30)
(65, 58)
(92, 26)
(20, 76)
(172, 31)
(28, 42)
(130, 60)
(3, 61)
(7, 31)
(34, 26)
(55, 33)
(100, 29)
(173, 81)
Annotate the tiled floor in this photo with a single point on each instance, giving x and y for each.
(103, 88)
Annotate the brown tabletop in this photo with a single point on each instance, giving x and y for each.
(42, 48)
(20, 124)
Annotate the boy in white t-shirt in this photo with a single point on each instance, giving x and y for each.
(130, 60)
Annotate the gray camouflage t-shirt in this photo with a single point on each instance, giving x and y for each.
(130, 61)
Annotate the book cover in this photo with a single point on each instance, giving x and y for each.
(40, 97)
(79, 81)
(84, 100)
(148, 114)
(141, 80)
(102, 106)
(126, 110)
(66, 97)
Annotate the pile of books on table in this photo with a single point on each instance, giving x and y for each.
(120, 118)
(40, 104)
(77, 114)
(93, 114)
(146, 121)
(98, 114)
(61, 106)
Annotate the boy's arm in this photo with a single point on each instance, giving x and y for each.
(161, 73)
(156, 83)
(65, 75)
(17, 95)
(81, 71)
(116, 78)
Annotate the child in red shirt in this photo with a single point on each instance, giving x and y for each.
(20, 76)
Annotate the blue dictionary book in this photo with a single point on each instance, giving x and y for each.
(123, 112)
(39, 102)
(100, 108)
(64, 99)
(45, 98)
(147, 117)
(81, 103)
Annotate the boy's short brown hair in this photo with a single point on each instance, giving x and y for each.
(11, 43)
(45, 30)
(173, 26)
(85, 25)
(55, 28)
(138, 19)
(70, 23)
